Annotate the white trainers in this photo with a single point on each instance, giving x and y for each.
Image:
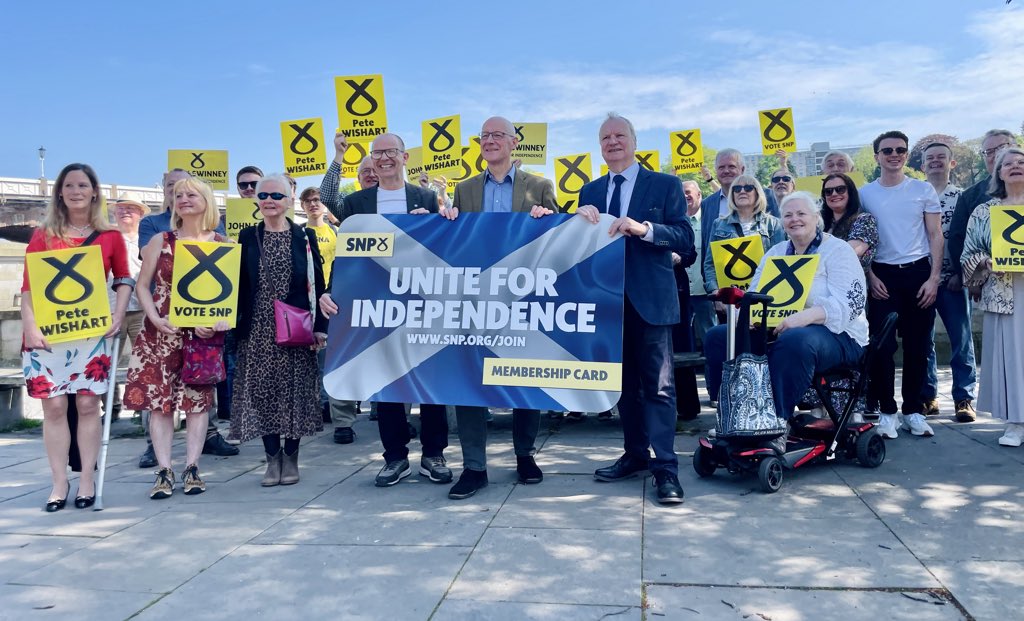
(887, 426)
(857, 417)
(1013, 436)
(917, 425)
(818, 412)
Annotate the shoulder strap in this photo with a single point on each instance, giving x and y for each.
(91, 238)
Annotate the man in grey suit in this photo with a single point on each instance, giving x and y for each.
(499, 189)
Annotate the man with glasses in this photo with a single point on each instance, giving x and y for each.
(951, 301)
(783, 184)
(329, 187)
(836, 162)
(246, 179)
(151, 225)
(501, 188)
(392, 195)
(904, 278)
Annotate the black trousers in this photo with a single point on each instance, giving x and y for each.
(915, 331)
(687, 400)
(394, 430)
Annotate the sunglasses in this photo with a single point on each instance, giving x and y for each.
(274, 195)
(785, 178)
(736, 189)
(840, 190)
(890, 150)
(247, 185)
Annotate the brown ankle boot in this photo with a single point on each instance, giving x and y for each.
(273, 475)
(290, 468)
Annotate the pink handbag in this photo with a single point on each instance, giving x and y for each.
(293, 327)
(202, 360)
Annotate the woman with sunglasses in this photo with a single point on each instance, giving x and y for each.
(1001, 389)
(783, 184)
(747, 216)
(840, 209)
(277, 388)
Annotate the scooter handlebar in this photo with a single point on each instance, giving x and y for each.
(734, 296)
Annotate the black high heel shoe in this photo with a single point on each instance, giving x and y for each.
(83, 502)
(58, 504)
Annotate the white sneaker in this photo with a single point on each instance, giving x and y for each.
(818, 412)
(887, 426)
(917, 425)
(857, 417)
(1013, 436)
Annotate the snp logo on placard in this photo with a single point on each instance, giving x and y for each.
(365, 245)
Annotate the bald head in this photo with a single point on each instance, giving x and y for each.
(498, 123)
(366, 175)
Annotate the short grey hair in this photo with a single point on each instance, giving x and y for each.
(278, 178)
(997, 187)
(729, 153)
(615, 116)
(842, 154)
(810, 200)
(696, 186)
(999, 132)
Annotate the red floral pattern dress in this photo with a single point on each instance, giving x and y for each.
(154, 371)
(74, 367)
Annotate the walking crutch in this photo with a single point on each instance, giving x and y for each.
(108, 411)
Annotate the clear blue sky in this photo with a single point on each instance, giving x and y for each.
(117, 86)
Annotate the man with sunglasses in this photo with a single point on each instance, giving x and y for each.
(246, 179)
(151, 225)
(393, 195)
(783, 184)
(904, 278)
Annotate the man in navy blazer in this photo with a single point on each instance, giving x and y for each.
(650, 212)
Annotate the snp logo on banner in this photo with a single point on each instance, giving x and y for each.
(365, 245)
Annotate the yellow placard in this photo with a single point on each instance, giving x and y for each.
(361, 111)
(365, 245)
(533, 143)
(572, 172)
(414, 165)
(736, 260)
(203, 285)
(1007, 238)
(465, 171)
(442, 146)
(552, 374)
(240, 213)
(474, 157)
(813, 183)
(69, 293)
(354, 156)
(788, 280)
(651, 160)
(302, 142)
(687, 150)
(777, 130)
(208, 165)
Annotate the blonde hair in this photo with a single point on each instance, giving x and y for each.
(55, 222)
(760, 205)
(211, 217)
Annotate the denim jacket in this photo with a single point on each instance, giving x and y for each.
(728, 227)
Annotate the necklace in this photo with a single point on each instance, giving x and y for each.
(81, 230)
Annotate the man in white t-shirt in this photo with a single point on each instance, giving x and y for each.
(392, 195)
(904, 278)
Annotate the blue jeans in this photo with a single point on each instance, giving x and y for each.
(793, 360)
(955, 311)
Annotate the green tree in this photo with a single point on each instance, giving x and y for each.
(970, 166)
(864, 161)
(767, 166)
(348, 188)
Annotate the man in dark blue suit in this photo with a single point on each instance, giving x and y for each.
(650, 212)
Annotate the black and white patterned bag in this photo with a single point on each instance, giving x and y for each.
(746, 407)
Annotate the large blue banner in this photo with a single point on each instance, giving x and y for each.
(498, 310)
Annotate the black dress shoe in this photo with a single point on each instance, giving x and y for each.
(217, 445)
(58, 503)
(84, 502)
(529, 472)
(623, 468)
(670, 492)
(469, 482)
(344, 435)
(148, 458)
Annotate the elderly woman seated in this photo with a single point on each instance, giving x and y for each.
(832, 329)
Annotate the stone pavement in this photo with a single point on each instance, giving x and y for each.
(934, 533)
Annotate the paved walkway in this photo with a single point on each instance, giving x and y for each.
(935, 533)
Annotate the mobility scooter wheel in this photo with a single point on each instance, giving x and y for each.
(769, 473)
(702, 462)
(870, 449)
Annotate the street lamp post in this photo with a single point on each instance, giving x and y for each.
(42, 170)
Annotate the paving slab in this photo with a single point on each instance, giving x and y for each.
(21, 554)
(777, 551)
(150, 556)
(574, 502)
(714, 603)
(556, 566)
(316, 582)
(988, 589)
(462, 610)
(26, 603)
(124, 506)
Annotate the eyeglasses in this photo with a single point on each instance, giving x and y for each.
(994, 150)
(785, 178)
(274, 195)
(494, 135)
(736, 189)
(247, 185)
(382, 152)
(839, 189)
(890, 150)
